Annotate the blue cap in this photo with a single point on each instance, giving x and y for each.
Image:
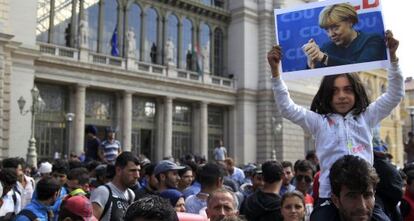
(166, 165)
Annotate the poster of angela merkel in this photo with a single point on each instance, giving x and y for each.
(331, 37)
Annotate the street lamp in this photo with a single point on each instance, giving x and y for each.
(37, 106)
(69, 118)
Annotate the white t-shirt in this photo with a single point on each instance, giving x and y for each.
(101, 194)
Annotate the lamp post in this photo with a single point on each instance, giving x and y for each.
(37, 106)
(69, 118)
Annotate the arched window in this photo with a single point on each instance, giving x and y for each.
(173, 35)
(207, 2)
(218, 52)
(205, 46)
(43, 19)
(186, 48)
(134, 23)
(110, 35)
(92, 17)
(62, 22)
(150, 47)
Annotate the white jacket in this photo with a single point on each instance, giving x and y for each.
(335, 135)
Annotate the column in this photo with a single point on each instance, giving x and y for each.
(164, 41)
(143, 36)
(73, 24)
(159, 140)
(160, 39)
(120, 27)
(101, 24)
(194, 42)
(180, 43)
(127, 121)
(51, 21)
(204, 129)
(232, 132)
(168, 108)
(80, 97)
(212, 54)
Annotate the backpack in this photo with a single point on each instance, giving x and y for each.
(109, 201)
(29, 214)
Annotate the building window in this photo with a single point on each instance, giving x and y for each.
(218, 52)
(43, 20)
(50, 124)
(207, 2)
(100, 108)
(173, 35)
(182, 130)
(92, 16)
(110, 36)
(143, 126)
(205, 46)
(134, 23)
(62, 22)
(151, 47)
(187, 47)
(215, 128)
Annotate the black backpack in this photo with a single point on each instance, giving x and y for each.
(29, 214)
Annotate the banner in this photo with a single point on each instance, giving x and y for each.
(296, 27)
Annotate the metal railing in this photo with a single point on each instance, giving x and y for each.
(52, 50)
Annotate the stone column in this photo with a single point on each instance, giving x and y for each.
(168, 109)
(80, 97)
(212, 54)
(127, 121)
(101, 18)
(204, 129)
(159, 140)
(143, 36)
(73, 24)
(179, 43)
(51, 21)
(160, 39)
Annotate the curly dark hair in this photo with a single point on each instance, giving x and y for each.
(353, 172)
(151, 207)
(321, 103)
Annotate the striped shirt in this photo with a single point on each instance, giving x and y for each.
(110, 149)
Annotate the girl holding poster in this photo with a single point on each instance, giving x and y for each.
(341, 118)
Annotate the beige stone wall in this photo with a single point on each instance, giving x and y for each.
(4, 15)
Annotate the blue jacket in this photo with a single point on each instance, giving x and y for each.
(39, 209)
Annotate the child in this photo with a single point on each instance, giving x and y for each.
(341, 117)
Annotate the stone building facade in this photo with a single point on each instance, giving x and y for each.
(173, 77)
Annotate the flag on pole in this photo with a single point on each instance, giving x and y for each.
(199, 59)
(114, 43)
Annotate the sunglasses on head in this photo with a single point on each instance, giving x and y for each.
(307, 179)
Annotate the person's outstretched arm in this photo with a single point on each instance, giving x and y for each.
(305, 118)
(383, 106)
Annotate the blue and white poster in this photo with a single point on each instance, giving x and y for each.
(314, 46)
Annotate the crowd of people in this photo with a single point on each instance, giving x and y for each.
(348, 177)
(135, 189)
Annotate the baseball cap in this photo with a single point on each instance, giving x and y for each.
(166, 165)
(45, 167)
(80, 206)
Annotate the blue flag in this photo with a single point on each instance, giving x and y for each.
(114, 43)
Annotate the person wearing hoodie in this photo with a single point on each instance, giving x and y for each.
(389, 191)
(264, 204)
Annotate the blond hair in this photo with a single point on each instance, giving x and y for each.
(333, 14)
